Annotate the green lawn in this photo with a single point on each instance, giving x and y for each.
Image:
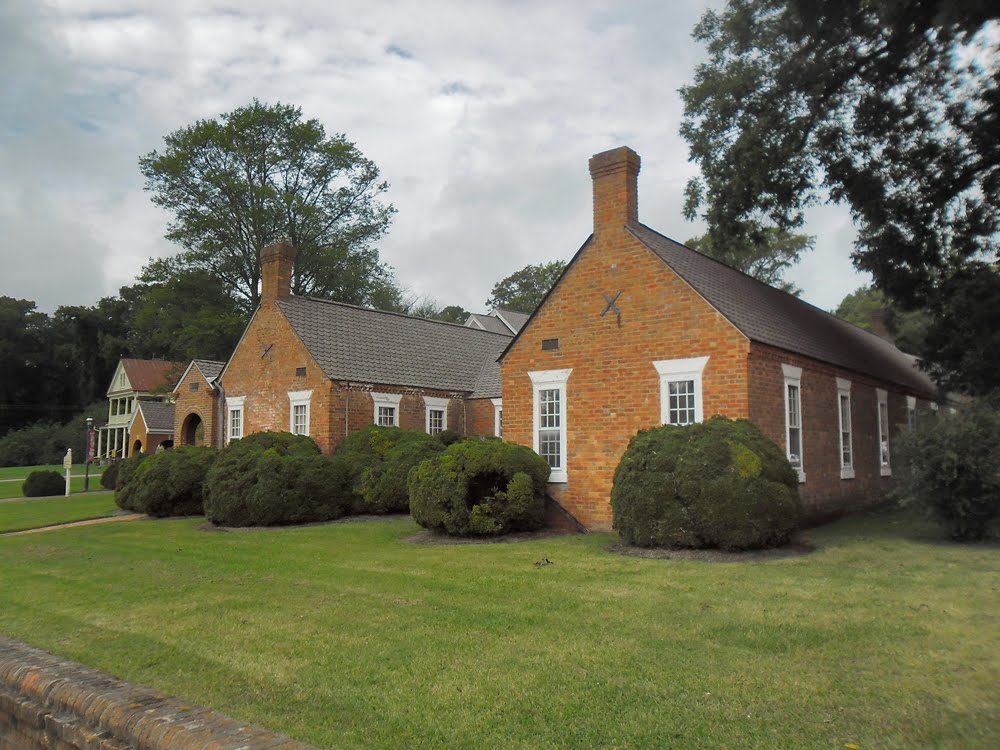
(35, 512)
(346, 635)
(17, 475)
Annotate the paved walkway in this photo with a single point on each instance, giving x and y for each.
(109, 519)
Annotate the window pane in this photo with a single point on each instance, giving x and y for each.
(549, 447)
(680, 402)
(794, 421)
(883, 429)
(299, 420)
(846, 459)
(387, 416)
(435, 421)
(795, 447)
(548, 404)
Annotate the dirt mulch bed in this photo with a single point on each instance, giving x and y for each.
(793, 549)
(432, 537)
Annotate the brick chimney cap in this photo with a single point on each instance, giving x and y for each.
(615, 160)
(279, 249)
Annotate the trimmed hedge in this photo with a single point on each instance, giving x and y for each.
(720, 483)
(170, 483)
(124, 495)
(480, 487)
(949, 466)
(44, 483)
(275, 480)
(109, 479)
(379, 460)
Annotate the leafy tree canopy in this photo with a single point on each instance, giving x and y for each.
(262, 173)
(867, 308)
(523, 290)
(892, 108)
(767, 260)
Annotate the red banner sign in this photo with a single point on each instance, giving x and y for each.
(91, 445)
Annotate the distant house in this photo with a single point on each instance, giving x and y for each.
(640, 330)
(326, 369)
(502, 321)
(151, 426)
(135, 382)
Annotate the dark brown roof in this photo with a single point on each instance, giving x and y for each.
(371, 346)
(776, 318)
(158, 416)
(149, 375)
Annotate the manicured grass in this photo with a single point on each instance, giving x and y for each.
(35, 512)
(17, 475)
(346, 635)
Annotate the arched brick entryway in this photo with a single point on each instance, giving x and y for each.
(193, 430)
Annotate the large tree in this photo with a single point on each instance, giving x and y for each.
(523, 290)
(892, 108)
(870, 309)
(767, 261)
(262, 173)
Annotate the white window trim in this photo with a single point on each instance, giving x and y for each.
(436, 404)
(497, 416)
(885, 469)
(793, 376)
(299, 398)
(843, 389)
(542, 380)
(386, 399)
(911, 411)
(234, 403)
(673, 370)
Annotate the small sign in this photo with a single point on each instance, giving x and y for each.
(68, 459)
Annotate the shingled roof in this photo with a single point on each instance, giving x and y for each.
(371, 346)
(158, 416)
(149, 375)
(209, 368)
(776, 318)
(488, 323)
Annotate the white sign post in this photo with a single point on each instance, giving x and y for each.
(68, 465)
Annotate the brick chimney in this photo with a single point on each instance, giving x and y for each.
(276, 263)
(616, 200)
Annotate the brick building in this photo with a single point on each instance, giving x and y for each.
(640, 330)
(198, 405)
(327, 369)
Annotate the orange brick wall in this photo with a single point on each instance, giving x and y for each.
(149, 441)
(479, 417)
(614, 390)
(824, 493)
(204, 402)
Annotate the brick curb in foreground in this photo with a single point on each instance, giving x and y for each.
(57, 704)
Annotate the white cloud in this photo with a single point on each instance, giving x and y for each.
(481, 115)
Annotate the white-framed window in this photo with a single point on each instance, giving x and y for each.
(386, 409)
(911, 411)
(298, 412)
(435, 414)
(846, 435)
(549, 406)
(234, 420)
(497, 416)
(680, 389)
(883, 432)
(793, 418)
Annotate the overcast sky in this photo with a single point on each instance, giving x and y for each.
(481, 115)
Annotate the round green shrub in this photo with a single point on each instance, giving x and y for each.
(949, 466)
(275, 483)
(285, 443)
(127, 468)
(720, 483)
(379, 459)
(480, 488)
(448, 437)
(171, 483)
(109, 479)
(44, 483)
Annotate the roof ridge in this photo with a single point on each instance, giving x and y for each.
(390, 312)
(765, 284)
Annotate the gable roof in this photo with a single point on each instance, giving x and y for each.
(371, 346)
(158, 416)
(503, 321)
(776, 318)
(209, 369)
(513, 320)
(148, 375)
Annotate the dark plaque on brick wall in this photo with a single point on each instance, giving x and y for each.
(549, 344)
